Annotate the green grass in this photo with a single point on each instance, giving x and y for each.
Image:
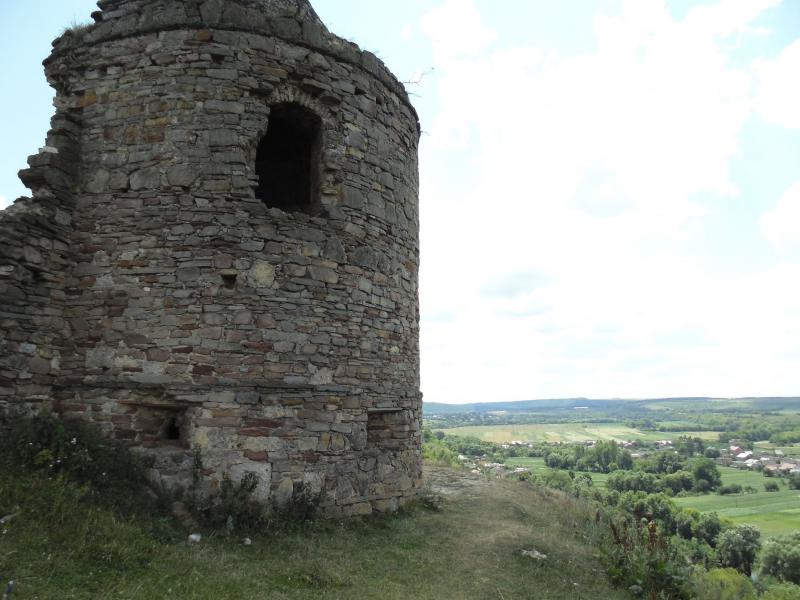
(569, 432)
(534, 463)
(774, 513)
(62, 546)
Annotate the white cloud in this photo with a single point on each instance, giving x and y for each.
(779, 88)
(585, 170)
(455, 29)
(728, 17)
(4, 203)
(781, 225)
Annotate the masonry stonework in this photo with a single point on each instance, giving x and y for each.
(151, 285)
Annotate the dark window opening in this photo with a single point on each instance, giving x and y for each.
(157, 425)
(288, 159)
(229, 280)
(173, 431)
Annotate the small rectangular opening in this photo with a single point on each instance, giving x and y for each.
(161, 426)
(228, 280)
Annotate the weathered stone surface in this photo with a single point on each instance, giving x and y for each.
(146, 287)
(182, 175)
(262, 274)
(98, 181)
(145, 179)
(284, 491)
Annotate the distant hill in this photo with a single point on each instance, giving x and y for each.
(519, 406)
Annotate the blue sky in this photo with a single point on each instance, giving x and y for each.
(610, 190)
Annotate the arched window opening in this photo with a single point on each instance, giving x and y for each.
(288, 159)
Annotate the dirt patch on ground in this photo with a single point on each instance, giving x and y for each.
(452, 482)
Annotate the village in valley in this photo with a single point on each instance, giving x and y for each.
(771, 462)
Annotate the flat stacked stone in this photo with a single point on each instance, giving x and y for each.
(150, 291)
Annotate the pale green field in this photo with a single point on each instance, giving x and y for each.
(775, 513)
(569, 432)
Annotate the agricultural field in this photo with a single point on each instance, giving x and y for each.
(570, 433)
(771, 448)
(775, 513)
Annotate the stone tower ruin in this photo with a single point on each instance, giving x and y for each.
(220, 253)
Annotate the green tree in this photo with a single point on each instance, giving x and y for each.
(633, 481)
(705, 470)
(689, 446)
(708, 528)
(781, 558)
(737, 547)
(686, 523)
(679, 481)
(662, 462)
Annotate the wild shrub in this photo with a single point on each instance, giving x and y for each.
(771, 486)
(555, 479)
(731, 488)
(231, 506)
(696, 552)
(657, 508)
(438, 453)
(782, 591)
(301, 509)
(780, 558)
(48, 446)
(644, 560)
(723, 584)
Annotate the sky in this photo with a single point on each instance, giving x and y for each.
(609, 189)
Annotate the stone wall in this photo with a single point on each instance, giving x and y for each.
(35, 258)
(178, 311)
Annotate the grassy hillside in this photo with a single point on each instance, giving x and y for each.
(62, 545)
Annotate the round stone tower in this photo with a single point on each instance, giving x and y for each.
(235, 273)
